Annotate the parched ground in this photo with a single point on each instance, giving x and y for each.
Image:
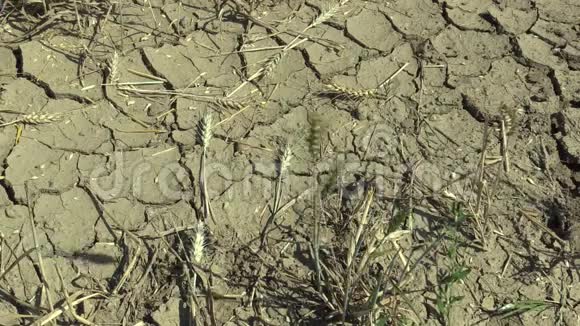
(431, 173)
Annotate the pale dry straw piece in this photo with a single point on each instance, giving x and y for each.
(271, 62)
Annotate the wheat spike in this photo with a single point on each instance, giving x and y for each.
(40, 118)
(331, 12)
(271, 63)
(351, 92)
(509, 116)
(113, 66)
(229, 104)
(205, 130)
(268, 66)
(315, 134)
(199, 243)
(285, 157)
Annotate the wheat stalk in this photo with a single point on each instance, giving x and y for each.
(354, 248)
(270, 63)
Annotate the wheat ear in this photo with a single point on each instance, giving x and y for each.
(205, 134)
(324, 16)
(229, 104)
(197, 257)
(36, 119)
(113, 66)
(351, 92)
(41, 118)
(198, 243)
(284, 158)
(266, 69)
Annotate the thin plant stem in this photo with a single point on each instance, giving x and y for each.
(36, 246)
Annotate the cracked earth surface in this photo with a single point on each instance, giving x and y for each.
(122, 152)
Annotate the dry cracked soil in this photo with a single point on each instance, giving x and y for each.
(142, 181)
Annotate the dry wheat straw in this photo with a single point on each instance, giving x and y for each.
(272, 62)
(40, 261)
(392, 77)
(320, 19)
(354, 248)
